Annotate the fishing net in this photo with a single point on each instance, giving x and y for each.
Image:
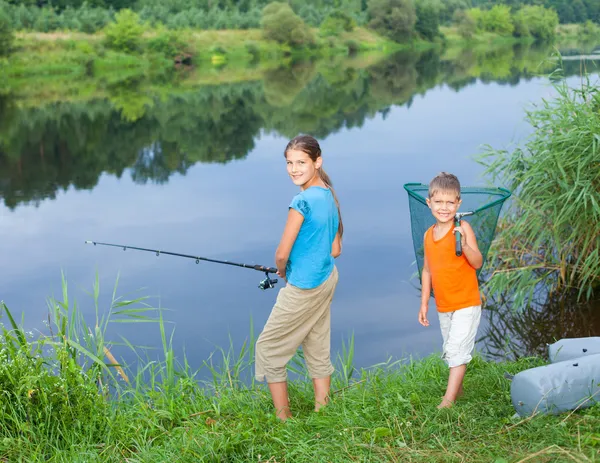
(485, 203)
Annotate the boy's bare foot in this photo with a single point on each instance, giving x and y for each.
(446, 403)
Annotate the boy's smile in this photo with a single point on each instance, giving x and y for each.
(443, 205)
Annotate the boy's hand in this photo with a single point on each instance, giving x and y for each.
(463, 240)
(423, 316)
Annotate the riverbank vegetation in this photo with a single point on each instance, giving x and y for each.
(547, 243)
(67, 397)
(276, 28)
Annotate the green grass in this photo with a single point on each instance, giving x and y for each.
(62, 403)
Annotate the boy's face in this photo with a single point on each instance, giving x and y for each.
(443, 205)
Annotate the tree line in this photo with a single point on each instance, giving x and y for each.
(421, 17)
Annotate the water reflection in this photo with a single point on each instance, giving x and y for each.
(50, 147)
(511, 333)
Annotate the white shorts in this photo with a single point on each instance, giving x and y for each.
(459, 329)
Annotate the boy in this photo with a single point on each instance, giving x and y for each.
(454, 281)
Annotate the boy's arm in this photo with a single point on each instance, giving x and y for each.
(469, 245)
(425, 293)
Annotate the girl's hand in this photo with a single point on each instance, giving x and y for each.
(423, 316)
(463, 240)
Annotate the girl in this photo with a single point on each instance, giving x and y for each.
(305, 259)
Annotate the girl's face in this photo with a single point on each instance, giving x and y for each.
(444, 205)
(302, 169)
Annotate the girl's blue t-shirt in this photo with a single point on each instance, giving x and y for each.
(310, 262)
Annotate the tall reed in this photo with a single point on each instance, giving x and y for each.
(550, 238)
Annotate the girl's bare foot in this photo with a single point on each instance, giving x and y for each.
(446, 403)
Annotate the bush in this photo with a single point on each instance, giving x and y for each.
(125, 34)
(6, 34)
(540, 21)
(336, 22)
(428, 18)
(588, 30)
(395, 19)
(253, 49)
(465, 24)
(521, 28)
(498, 20)
(280, 23)
(169, 43)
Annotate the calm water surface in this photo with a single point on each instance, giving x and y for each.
(201, 171)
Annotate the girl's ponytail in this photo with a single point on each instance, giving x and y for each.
(327, 181)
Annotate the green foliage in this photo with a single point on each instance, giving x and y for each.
(476, 16)
(498, 20)
(125, 34)
(395, 19)
(521, 26)
(280, 23)
(337, 22)
(540, 22)
(589, 30)
(428, 18)
(169, 43)
(546, 241)
(465, 23)
(165, 411)
(6, 34)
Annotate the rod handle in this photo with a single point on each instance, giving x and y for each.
(458, 239)
(262, 268)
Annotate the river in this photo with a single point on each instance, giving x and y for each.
(199, 169)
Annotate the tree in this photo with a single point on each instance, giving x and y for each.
(498, 20)
(579, 11)
(125, 34)
(395, 19)
(465, 23)
(6, 34)
(428, 18)
(540, 21)
(280, 23)
(336, 22)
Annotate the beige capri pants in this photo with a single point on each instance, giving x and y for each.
(299, 317)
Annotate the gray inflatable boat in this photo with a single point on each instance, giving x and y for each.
(571, 348)
(566, 384)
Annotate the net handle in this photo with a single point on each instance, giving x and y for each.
(505, 195)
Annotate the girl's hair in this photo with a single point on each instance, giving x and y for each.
(310, 146)
(444, 182)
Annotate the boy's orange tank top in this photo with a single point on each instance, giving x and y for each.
(454, 280)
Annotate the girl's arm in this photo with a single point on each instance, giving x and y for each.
(469, 245)
(336, 247)
(290, 232)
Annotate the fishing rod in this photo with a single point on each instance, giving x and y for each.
(267, 283)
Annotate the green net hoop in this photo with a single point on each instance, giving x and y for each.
(486, 203)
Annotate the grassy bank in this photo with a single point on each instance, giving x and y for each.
(63, 403)
(77, 54)
(564, 34)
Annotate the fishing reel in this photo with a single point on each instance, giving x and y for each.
(268, 282)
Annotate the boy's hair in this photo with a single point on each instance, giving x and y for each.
(444, 182)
